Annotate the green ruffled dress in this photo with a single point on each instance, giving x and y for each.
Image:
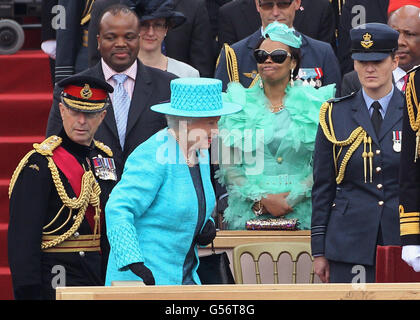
(265, 153)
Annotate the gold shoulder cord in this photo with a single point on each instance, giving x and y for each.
(231, 63)
(410, 96)
(103, 147)
(89, 194)
(354, 140)
(86, 12)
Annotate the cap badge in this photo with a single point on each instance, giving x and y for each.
(366, 42)
(86, 93)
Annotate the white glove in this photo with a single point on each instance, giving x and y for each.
(411, 255)
(49, 47)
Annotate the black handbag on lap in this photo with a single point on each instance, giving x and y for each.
(215, 269)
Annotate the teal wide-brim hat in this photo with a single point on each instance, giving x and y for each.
(196, 97)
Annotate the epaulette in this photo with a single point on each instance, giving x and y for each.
(47, 146)
(413, 69)
(103, 147)
(338, 99)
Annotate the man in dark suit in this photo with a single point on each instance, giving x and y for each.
(407, 22)
(355, 13)
(191, 42)
(118, 43)
(315, 19)
(318, 65)
(356, 164)
(72, 41)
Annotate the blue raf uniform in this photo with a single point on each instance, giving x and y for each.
(319, 65)
(72, 40)
(355, 192)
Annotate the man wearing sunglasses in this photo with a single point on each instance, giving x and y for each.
(319, 65)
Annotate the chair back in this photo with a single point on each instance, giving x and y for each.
(275, 250)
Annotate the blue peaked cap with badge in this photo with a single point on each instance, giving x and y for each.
(373, 42)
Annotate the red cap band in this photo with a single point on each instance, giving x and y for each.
(86, 92)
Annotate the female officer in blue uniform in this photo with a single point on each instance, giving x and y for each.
(356, 164)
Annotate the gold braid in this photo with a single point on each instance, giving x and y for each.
(89, 194)
(411, 95)
(354, 140)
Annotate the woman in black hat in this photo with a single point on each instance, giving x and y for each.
(156, 18)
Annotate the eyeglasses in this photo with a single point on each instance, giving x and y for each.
(157, 26)
(270, 4)
(277, 56)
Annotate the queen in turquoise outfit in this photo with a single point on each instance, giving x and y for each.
(160, 211)
(266, 149)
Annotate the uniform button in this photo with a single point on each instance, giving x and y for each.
(378, 169)
(381, 203)
(379, 186)
(279, 159)
(76, 234)
(378, 152)
(333, 205)
(82, 253)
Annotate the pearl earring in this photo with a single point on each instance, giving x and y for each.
(292, 83)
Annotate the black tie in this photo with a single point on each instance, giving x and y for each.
(376, 116)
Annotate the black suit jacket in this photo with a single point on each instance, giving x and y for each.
(152, 87)
(192, 42)
(240, 18)
(352, 13)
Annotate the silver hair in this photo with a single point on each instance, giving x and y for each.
(174, 121)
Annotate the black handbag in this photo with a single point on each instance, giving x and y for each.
(215, 269)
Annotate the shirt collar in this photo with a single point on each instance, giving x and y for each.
(384, 101)
(131, 72)
(398, 74)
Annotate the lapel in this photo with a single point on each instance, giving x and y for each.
(141, 95)
(253, 40)
(303, 46)
(393, 113)
(362, 117)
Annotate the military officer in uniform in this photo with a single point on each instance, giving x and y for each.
(72, 38)
(356, 164)
(319, 65)
(410, 174)
(57, 194)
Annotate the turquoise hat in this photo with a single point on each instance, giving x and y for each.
(196, 97)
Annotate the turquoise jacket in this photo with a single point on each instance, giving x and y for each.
(151, 214)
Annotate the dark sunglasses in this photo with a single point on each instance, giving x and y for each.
(277, 56)
(268, 5)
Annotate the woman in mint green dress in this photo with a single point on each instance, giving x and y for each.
(266, 149)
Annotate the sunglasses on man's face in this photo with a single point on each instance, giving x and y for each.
(277, 56)
(268, 5)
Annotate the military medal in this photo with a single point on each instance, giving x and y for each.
(311, 76)
(396, 138)
(105, 168)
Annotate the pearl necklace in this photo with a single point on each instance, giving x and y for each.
(189, 160)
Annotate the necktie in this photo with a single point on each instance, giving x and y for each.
(376, 116)
(405, 83)
(121, 103)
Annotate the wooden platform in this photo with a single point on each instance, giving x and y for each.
(372, 291)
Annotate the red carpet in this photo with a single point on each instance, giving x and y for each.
(25, 101)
